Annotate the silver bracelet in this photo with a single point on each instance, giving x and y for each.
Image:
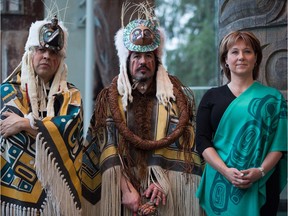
(262, 171)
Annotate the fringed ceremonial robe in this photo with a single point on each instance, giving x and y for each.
(103, 166)
(253, 125)
(41, 175)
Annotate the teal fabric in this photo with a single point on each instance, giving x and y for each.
(253, 125)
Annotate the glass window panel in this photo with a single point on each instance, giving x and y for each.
(2, 6)
(11, 6)
(14, 5)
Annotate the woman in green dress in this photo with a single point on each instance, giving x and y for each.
(242, 134)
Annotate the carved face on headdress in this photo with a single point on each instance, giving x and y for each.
(141, 36)
(51, 36)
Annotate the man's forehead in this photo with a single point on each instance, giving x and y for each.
(44, 49)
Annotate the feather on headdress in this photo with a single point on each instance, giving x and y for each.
(125, 41)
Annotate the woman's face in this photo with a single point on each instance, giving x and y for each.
(241, 59)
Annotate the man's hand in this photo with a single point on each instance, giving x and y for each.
(130, 197)
(14, 124)
(154, 191)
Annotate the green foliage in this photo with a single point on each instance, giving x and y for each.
(191, 23)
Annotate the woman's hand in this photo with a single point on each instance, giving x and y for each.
(247, 178)
(233, 175)
(237, 178)
(251, 175)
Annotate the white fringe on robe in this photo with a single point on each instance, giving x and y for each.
(60, 202)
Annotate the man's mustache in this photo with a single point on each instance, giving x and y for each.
(142, 67)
